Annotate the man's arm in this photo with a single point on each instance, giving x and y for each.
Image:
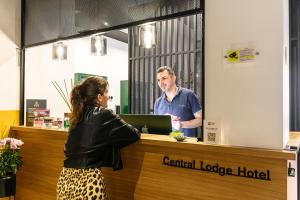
(194, 123)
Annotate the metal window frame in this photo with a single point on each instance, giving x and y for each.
(81, 34)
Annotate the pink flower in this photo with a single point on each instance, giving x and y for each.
(13, 143)
(13, 146)
(2, 142)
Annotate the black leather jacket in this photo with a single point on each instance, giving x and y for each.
(97, 140)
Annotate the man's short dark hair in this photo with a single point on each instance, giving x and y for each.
(165, 68)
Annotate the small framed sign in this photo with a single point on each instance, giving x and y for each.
(212, 131)
(31, 106)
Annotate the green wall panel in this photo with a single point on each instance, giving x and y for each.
(124, 97)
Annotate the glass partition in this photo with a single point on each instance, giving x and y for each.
(44, 74)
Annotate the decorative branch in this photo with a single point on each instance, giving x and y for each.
(66, 89)
(64, 96)
(72, 85)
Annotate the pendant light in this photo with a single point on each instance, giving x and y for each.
(59, 51)
(147, 36)
(98, 45)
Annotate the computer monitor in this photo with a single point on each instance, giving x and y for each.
(156, 124)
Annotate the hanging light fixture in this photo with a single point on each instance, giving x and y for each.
(147, 36)
(98, 45)
(59, 51)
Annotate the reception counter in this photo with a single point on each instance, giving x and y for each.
(157, 167)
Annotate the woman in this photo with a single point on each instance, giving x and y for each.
(95, 138)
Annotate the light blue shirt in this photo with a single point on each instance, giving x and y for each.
(184, 105)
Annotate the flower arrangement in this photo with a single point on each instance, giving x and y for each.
(10, 157)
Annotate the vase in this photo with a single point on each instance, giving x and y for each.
(67, 120)
(8, 186)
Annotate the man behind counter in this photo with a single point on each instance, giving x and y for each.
(181, 103)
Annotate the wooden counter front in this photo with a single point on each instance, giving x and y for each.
(157, 167)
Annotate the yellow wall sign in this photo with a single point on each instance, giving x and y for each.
(241, 55)
(233, 56)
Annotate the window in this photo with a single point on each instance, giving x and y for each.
(179, 45)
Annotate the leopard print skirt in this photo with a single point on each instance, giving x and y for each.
(81, 184)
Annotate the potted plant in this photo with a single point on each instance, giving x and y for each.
(10, 162)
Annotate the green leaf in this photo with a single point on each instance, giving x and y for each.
(10, 161)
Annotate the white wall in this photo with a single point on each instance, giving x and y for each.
(114, 65)
(41, 70)
(9, 41)
(251, 100)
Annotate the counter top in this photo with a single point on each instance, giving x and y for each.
(192, 144)
(158, 167)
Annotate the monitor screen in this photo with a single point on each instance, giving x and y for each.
(156, 124)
